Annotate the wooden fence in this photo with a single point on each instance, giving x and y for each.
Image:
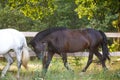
(109, 35)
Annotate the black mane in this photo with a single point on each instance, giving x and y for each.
(46, 32)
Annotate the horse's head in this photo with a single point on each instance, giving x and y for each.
(39, 42)
(39, 48)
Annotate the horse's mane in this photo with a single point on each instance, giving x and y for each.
(46, 32)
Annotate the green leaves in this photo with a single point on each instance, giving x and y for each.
(85, 8)
(96, 8)
(100, 13)
(35, 9)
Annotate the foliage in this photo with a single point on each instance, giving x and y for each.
(13, 19)
(101, 13)
(106, 25)
(35, 9)
(114, 47)
(52, 13)
(64, 15)
(96, 8)
(16, 20)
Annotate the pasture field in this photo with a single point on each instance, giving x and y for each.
(57, 71)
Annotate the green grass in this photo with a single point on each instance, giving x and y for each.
(57, 71)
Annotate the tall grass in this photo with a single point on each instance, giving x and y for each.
(57, 71)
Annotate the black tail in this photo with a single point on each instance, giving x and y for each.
(104, 46)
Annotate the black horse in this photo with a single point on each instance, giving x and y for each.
(61, 40)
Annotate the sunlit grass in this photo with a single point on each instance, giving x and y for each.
(57, 71)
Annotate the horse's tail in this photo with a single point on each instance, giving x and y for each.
(25, 56)
(104, 46)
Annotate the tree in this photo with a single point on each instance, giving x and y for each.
(35, 9)
(101, 13)
(64, 15)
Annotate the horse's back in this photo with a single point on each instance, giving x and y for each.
(11, 33)
(72, 40)
(69, 40)
(9, 39)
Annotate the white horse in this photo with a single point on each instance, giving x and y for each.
(11, 39)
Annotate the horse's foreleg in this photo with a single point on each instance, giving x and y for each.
(10, 61)
(64, 58)
(46, 61)
(19, 61)
(89, 61)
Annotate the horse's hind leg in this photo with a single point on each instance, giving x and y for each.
(101, 59)
(89, 60)
(19, 60)
(10, 61)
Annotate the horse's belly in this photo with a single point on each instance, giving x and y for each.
(77, 46)
(4, 49)
(5, 45)
(76, 49)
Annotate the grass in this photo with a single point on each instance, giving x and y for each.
(57, 71)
